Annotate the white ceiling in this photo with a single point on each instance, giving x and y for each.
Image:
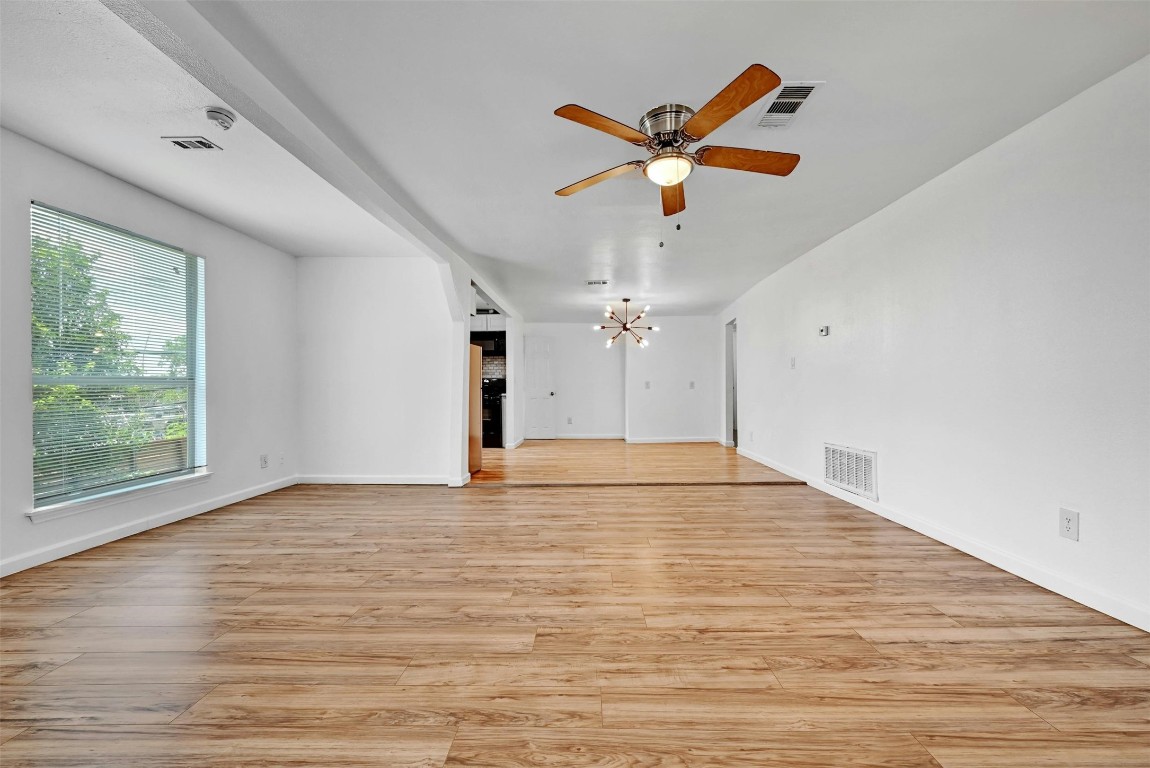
(452, 103)
(76, 78)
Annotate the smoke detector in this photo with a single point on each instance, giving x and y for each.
(224, 118)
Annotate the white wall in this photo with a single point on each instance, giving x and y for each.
(516, 393)
(251, 357)
(376, 345)
(588, 380)
(990, 338)
(661, 405)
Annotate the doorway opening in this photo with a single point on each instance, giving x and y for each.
(731, 435)
(489, 395)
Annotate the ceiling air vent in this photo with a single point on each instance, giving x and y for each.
(850, 469)
(191, 142)
(596, 282)
(780, 112)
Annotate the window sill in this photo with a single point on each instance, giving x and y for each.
(78, 506)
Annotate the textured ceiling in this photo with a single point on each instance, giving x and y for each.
(76, 78)
(450, 104)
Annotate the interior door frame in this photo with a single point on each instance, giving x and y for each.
(731, 388)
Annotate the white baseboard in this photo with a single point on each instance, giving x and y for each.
(1119, 608)
(589, 437)
(672, 440)
(459, 482)
(516, 444)
(728, 443)
(374, 479)
(80, 543)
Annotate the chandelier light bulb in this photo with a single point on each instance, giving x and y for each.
(623, 325)
(655, 328)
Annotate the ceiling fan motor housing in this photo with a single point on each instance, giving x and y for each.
(664, 122)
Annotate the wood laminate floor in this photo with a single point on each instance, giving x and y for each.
(709, 625)
(615, 462)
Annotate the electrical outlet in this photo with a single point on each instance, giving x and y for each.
(263, 461)
(792, 363)
(569, 420)
(691, 385)
(751, 437)
(1068, 524)
(281, 459)
(646, 385)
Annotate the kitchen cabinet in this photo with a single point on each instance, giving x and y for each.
(483, 323)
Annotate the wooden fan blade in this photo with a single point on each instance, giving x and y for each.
(600, 123)
(591, 181)
(673, 199)
(755, 83)
(756, 160)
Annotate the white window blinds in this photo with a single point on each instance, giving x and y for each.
(117, 358)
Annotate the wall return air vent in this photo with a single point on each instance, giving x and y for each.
(191, 142)
(781, 111)
(851, 469)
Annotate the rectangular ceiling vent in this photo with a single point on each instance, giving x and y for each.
(191, 142)
(850, 469)
(781, 112)
(596, 282)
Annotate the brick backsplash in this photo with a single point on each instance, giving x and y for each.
(494, 367)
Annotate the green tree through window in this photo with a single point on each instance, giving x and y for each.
(113, 391)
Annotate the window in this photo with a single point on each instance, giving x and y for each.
(117, 359)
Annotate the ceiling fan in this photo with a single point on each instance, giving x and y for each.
(666, 131)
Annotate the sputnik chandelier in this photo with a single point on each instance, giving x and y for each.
(625, 324)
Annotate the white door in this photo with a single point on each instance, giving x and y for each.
(540, 389)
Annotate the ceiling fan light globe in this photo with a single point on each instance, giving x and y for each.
(668, 168)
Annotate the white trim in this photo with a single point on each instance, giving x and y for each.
(1111, 605)
(514, 445)
(728, 443)
(119, 496)
(590, 437)
(374, 479)
(81, 543)
(672, 440)
(459, 482)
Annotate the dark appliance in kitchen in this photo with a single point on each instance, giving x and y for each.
(493, 391)
(494, 343)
